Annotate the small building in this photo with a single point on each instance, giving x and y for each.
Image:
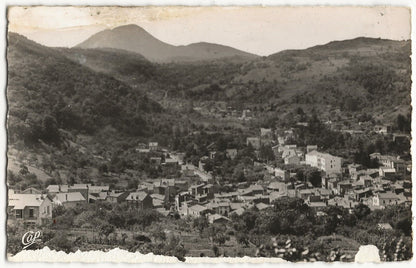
(387, 172)
(153, 146)
(69, 200)
(141, 200)
(80, 188)
(262, 206)
(218, 219)
(277, 187)
(382, 129)
(354, 168)
(54, 189)
(384, 227)
(94, 189)
(344, 187)
(171, 162)
(385, 199)
(197, 210)
(256, 189)
(254, 142)
(156, 161)
(400, 138)
(283, 174)
(305, 193)
(292, 160)
(188, 170)
(360, 194)
(31, 209)
(117, 197)
(266, 132)
(231, 153)
(219, 207)
(197, 189)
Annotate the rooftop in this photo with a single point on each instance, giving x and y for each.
(20, 201)
(137, 196)
(198, 208)
(61, 198)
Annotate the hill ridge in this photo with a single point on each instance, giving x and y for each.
(136, 39)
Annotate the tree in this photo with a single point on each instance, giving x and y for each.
(158, 233)
(405, 225)
(361, 211)
(266, 153)
(106, 230)
(23, 170)
(123, 238)
(215, 250)
(402, 123)
(50, 132)
(242, 238)
(314, 177)
(249, 219)
(200, 223)
(58, 211)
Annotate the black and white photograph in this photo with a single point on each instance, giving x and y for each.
(207, 132)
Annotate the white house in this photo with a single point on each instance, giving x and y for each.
(31, 209)
(386, 199)
(69, 200)
(328, 163)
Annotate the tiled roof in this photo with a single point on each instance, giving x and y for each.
(20, 201)
(61, 198)
(198, 208)
(388, 196)
(53, 188)
(97, 189)
(215, 217)
(137, 196)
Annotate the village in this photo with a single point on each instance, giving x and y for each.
(199, 193)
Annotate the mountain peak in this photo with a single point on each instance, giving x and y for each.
(129, 27)
(134, 38)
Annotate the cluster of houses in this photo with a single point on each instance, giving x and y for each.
(197, 193)
(222, 111)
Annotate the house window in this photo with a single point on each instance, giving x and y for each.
(19, 214)
(48, 209)
(31, 213)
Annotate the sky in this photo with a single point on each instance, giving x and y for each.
(259, 30)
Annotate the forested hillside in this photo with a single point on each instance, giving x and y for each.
(359, 76)
(47, 92)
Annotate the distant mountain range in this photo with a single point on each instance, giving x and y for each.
(135, 39)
